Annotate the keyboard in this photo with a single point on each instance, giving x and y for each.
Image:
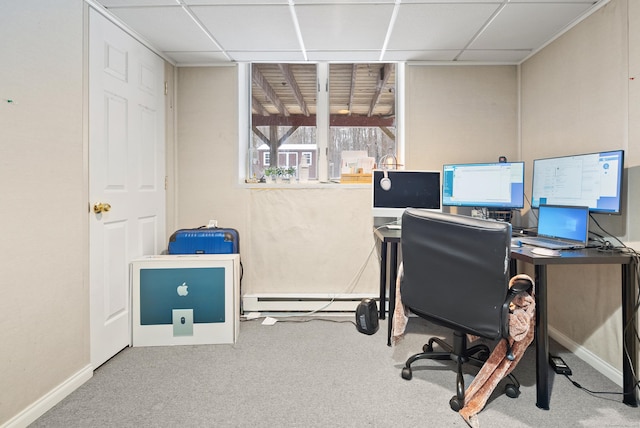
(548, 243)
(545, 241)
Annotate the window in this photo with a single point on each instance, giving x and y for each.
(283, 115)
(308, 157)
(362, 111)
(317, 111)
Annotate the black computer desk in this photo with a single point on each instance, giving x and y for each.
(591, 256)
(391, 238)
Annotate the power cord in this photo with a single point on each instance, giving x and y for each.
(631, 325)
(352, 285)
(594, 393)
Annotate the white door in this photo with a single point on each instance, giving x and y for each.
(126, 175)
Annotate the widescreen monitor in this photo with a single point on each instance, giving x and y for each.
(497, 185)
(592, 179)
(409, 189)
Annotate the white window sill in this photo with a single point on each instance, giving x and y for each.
(308, 185)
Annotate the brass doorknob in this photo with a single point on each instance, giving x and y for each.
(100, 208)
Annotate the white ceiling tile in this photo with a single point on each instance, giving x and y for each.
(250, 28)
(266, 56)
(438, 26)
(458, 1)
(233, 2)
(344, 56)
(528, 25)
(506, 56)
(166, 28)
(426, 55)
(297, 2)
(589, 2)
(197, 58)
(137, 3)
(344, 27)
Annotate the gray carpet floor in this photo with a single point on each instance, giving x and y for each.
(318, 374)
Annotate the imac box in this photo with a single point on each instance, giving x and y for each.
(185, 299)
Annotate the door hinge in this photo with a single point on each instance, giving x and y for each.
(166, 182)
(166, 88)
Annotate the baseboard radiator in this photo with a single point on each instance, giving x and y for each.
(290, 302)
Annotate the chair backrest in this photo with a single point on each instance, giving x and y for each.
(456, 270)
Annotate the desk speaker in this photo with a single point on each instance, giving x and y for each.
(367, 316)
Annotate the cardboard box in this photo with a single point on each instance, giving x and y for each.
(185, 299)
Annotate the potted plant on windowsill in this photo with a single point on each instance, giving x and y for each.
(280, 174)
(271, 173)
(290, 174)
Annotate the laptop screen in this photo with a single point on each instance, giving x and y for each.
(564, 222)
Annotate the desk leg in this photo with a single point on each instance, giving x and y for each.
(393, 272)
(383, 278)
(542, 339)
(630, 350)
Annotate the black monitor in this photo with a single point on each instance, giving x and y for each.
(497, 185)
(408, 189)
(592, 179)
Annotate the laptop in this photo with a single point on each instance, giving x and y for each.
(560, 227)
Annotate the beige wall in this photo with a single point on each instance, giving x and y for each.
(460, 114)
(207, 148)
(575, 99)
(170, 108)
(633, 154)
(44, 312)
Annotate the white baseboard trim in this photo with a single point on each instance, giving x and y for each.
(53, 397)
(295, 302)
(587, 356)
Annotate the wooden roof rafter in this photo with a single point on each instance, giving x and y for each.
(354, 72)
(258, 107)
(260, 80)
(385, 72)
(295, 89)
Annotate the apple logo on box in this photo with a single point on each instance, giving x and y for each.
(182, 289)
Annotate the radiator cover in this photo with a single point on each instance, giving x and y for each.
(294, 302)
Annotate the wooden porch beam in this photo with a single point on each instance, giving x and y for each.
(334, 120)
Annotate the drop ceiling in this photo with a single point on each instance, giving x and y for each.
(209, 32)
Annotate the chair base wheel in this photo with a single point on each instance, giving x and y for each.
(455, 404)
(406, 373)
(511, 390)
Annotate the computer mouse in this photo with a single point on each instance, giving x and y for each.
(545, 252)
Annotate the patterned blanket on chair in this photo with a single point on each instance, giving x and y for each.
(521, 332)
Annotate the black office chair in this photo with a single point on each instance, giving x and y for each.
(456, 274)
